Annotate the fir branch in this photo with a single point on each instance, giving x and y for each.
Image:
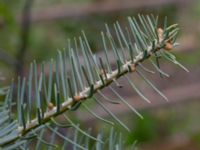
(89, 78)
(85, 94)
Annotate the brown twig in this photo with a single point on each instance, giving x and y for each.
(25, 31)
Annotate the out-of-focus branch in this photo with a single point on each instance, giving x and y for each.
(175, 94)
(25, 29)
(63, 11)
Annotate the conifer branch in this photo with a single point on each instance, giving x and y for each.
(87, 78)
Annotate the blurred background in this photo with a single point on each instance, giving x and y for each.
(36, 29)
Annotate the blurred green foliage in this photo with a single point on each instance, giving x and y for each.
(144, 130)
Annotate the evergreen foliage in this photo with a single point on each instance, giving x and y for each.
(72, 80)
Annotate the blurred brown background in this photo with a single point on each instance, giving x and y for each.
(35, 29)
